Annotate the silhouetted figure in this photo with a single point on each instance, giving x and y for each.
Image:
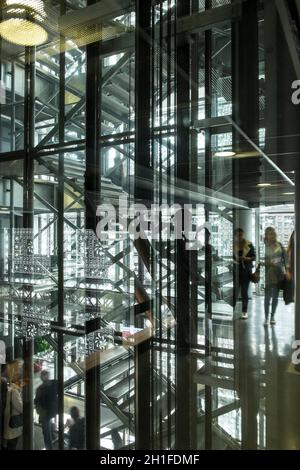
(46, 403)
(77, 430)
(275, 263)
(244, 255)
(289, 291)
(116, 439)
(3, 396)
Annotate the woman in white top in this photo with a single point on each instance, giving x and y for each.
(14, 407)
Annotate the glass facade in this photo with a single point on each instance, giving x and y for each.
(143, 146)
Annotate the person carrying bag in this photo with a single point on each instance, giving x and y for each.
(13, 417)
(16, 420)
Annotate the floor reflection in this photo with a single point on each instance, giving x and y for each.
(266, 382)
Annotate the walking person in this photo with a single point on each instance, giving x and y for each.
(244, 255)
(46, 403)
(275, 269)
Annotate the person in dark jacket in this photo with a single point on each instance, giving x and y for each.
(77, 430)
(46, 403)
(244, 255)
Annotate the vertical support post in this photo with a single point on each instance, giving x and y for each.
(11, 326)
(193, 255)
(1, 78)
(143, 166)
(186, 314)
(208, 252)
(92, 199)
(13, 111)
(246, 114)
(60, 239)
(245, 110)
(28, 214)
(257, 242)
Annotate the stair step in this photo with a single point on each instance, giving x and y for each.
(120, 389)
(113, 372)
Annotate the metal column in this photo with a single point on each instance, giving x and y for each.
(246, 115)
(143, 167)
(92, 199)
(208, 249)
(60, 239)
(28, 218)
(186, 318)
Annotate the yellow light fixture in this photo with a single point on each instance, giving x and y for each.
(23, 22)
(225, 154)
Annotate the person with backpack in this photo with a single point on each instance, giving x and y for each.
(46, 404)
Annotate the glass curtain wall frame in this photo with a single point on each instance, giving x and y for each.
(118, 283)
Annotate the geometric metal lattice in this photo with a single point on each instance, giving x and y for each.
(23, 251)
(99, 340)
(33, 322)
(24, 260)
(90, 251)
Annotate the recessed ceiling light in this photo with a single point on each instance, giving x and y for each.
(23, 22)
(288, 194)
(225, 154)
(264, 185)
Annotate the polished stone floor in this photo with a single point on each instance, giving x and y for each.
(252, 380)
(265, 382)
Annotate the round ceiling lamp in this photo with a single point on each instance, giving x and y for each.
(23, 22)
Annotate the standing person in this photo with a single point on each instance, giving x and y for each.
(244, 255)
(289, 291)
(77, 430)
(275, 262)
(46, 403)
(13, 412)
